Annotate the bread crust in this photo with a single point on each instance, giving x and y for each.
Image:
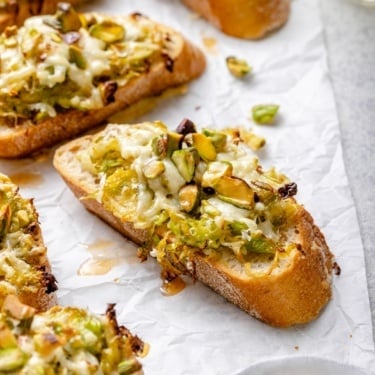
(248, 19)
(43, 295)
(296, 295)
(188, 63)
(17, 12)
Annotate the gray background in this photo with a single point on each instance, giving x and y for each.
(350, 39)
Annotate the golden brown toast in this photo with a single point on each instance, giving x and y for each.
(15, 12)
(24, 267)
(201, 204)
(74, 71)
(248, 19)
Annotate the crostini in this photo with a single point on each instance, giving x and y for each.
(202, 205)
(66, 73)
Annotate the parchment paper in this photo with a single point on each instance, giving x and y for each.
(197, 331)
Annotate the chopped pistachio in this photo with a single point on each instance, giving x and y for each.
(236, 191)
(185, 160)
(153, 169)
(218, 138)
(215, 170)
(108, 31)
(254, 141)
(76, 57)
(202, 144)
(188, 197)
(264, 113)
(68, 19)
(165, 144)
(238, 67)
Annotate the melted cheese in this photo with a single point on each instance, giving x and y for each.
(17, 246)
(38, 58)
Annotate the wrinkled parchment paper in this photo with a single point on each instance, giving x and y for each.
(197, 331)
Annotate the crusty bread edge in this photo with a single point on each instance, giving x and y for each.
(189, 63)
(294, 296)
(40, 299)
(48, 7)
(247, 19)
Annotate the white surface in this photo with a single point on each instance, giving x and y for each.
(302, 365)
(351, 57)
(197, 332)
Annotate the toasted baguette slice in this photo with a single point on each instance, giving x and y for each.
(24, 267)
(248, 19)
(67, 338)
(76, 70)
(15, 12)
(203, 206)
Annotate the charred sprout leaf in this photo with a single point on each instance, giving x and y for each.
(108, 32)
(189, 197)
(236, 227)
(238, 67)
(260, 244)
(265, 113)
(128, 367)
(11, 359)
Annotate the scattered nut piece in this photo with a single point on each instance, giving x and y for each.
(238, 67)
(265, 113)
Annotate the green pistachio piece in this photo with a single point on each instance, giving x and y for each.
(218, 139)
(264, 113)
(215, 170)
(108, 31)
(236, 191)
(76, 57)
(188, 197)
(165, 144)
(202, 144)
(128, 367)
(260, 244)
(238, 67)
(255, 142)
(153, 169)
(68, 19)
(11, 359)
(186, 160)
